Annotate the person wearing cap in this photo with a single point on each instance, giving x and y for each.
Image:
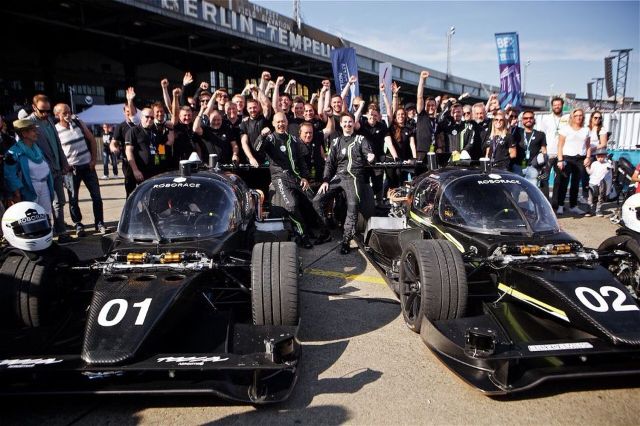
(600, 180)
(27, 176)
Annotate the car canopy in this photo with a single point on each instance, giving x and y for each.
(175, 208)
(496, 203)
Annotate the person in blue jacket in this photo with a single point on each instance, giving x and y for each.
(27, 176)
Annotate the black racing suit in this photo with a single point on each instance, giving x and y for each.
(287, 167)
(344, 170)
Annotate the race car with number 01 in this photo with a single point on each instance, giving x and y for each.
(496, 289)
(196, 293)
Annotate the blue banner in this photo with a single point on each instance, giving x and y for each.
(345, 65)
(509, 61)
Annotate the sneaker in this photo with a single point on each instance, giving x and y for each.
(588, 214)
(305, 242)
(599, 214)
(104, 177)
(65, 239)
(345, 247)
(560, 210)
(80, 232)
(323, 238)
(101, 229)
(576, 210)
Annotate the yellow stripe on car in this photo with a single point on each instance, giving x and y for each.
(534, 302)
(447, 235)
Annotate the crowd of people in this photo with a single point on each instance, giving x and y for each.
(304, 152)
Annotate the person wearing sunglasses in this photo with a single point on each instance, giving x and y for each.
(146, 151)
(598, 138)
(534, 145)
(500, 146)
(49, 142)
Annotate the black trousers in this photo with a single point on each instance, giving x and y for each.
(354, 190)
(286, 200)
(569, 177)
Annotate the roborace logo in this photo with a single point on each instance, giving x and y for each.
(176, 185)
(498, 180)
(31, 215)
(191, 360)
(28, 363)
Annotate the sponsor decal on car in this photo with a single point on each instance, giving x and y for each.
(494, 181)
(28, 363)
(191, 360)
(176, 185)
(560, 347)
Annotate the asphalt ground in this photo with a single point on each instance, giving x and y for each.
(360, 364)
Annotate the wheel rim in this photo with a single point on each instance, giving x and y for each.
(410, 289)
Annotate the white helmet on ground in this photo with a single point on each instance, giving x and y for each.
(631, 213)
(26, 226)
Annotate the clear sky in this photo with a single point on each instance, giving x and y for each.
(566, 41)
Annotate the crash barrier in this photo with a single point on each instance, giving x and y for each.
(623, 126)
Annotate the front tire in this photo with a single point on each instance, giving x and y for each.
(32, 286)
(433, 282)
(274, 283)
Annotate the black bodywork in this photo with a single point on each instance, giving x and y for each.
(538, 305)
(168, 309)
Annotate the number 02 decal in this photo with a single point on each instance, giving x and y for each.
(601, 304)
(121, 307)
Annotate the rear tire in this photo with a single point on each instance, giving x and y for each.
(33, 286)
(274, 283)
(433, 282)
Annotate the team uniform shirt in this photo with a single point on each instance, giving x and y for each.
(149, 154)
(374, 134)
(575, 143)
(294, 125)
(401, 140)
(449, 139)
(499, 149)
(216, 141)
(347, 156)
(426, 129)
(252, 128)
(74, 145)
(530, 143)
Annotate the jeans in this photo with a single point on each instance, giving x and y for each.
(108, 156)
(530, 173)
(59, 227)
(87, 175)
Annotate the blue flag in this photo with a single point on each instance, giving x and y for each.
(509, 61)
(344, 64)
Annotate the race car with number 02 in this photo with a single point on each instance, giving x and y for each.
(499, 293)
(196, 293)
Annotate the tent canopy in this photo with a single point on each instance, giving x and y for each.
(100, 114)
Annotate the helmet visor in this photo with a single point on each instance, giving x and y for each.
(32, 229)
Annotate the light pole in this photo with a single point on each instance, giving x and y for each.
(524, 80)
(450, 33)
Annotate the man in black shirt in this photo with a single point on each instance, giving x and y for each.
(145, 152)
(532, 142)
(377, 133)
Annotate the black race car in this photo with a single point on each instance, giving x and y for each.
(196, 293)
(496, 289)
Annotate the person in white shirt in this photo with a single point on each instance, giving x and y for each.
(551, 125)
(600, 180)
(574, 153)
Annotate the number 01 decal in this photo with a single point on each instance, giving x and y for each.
(121, 307)
(596, 302)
